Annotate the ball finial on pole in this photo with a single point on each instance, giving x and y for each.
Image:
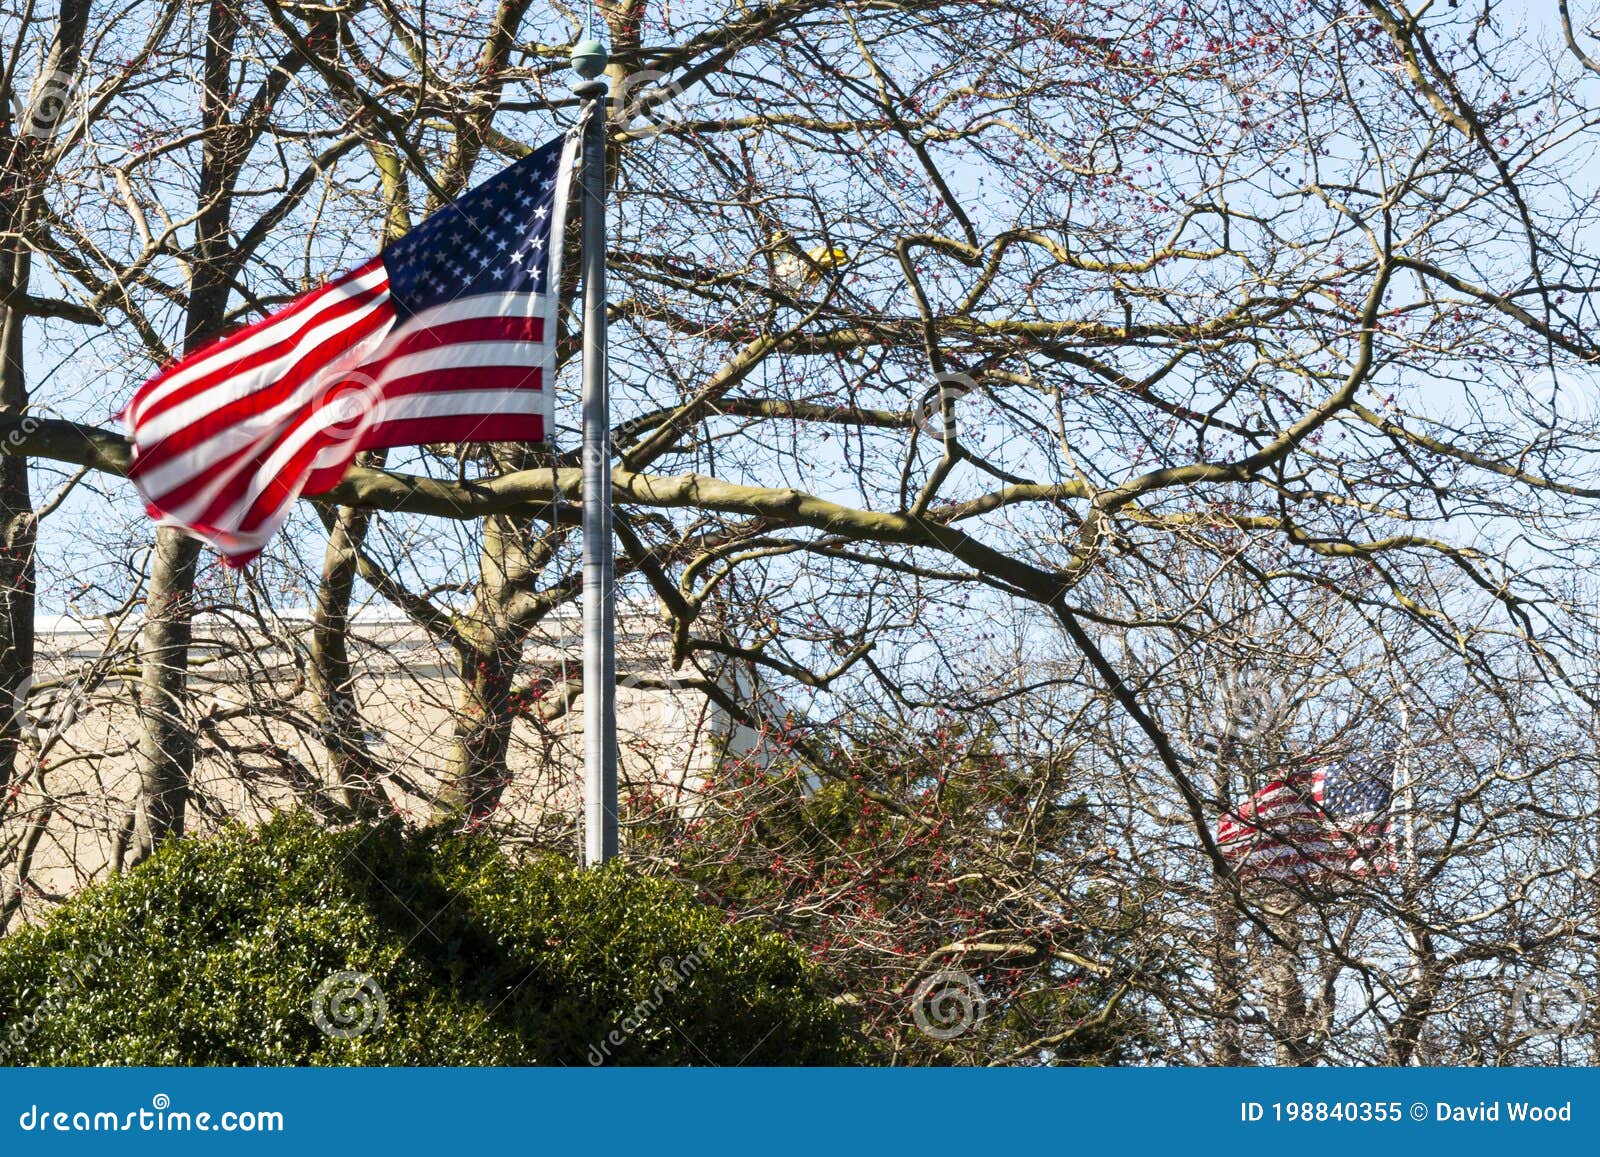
(589, 58)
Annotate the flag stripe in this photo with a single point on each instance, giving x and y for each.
(249, 344)
(212, 434)
(447, 336)
(1328, 817)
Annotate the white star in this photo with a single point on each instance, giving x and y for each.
(541, 212)
(517, 256)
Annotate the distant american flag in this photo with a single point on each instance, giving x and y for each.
(1333, 816)
(447, 336)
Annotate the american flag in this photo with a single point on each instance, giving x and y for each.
(1332, 816)
(447, 336)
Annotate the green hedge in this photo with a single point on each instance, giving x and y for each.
(214, 952)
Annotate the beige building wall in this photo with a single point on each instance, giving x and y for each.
(259, 750)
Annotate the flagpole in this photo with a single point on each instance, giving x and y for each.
(599, 588)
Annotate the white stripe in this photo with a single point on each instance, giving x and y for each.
(150, 433)
(269, 334)
(480, 305)
(264, 473)
(199, 459)
(460, 403)
(468, 355)
(237, 541)
(203, 457)
(446, 403)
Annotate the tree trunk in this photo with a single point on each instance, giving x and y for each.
(1226, 982)
(17, 536)
(477, 772)
(359, 793)
(166, 745)
(24, 160)
(489, 655)
(1291, 1020)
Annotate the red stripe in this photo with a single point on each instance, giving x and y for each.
(229, 366)
(308, 365)
(445, 381)
(240, 413)
(500, 427)
(477, 329)
(280, 490)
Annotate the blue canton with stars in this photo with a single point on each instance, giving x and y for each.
(494, 239)
(1358, 787)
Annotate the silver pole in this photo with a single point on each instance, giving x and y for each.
(599, 587)
(1403, 772)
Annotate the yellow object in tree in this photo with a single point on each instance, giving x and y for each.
(797, 269)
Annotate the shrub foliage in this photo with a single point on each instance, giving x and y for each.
(214, 952)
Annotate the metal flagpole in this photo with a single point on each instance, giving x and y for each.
(599, 590)
(1401, 785)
